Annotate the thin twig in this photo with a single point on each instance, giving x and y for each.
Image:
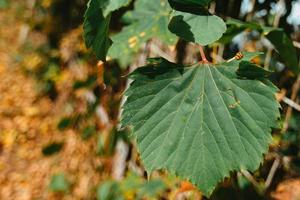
(268, 58)
(296, 44)
(289, 111)
(250, 178)
(231, 59)
(291, 103)
(272, 172)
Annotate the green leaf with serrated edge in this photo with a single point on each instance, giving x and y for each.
(284, 45)
(199, 122)
(252, 71)
(199, 27)
(149, 19)
(96, 25)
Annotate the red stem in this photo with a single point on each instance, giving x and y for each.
(203, 57)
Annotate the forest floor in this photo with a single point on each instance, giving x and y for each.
(28, 122)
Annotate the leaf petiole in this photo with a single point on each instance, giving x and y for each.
(203, 57)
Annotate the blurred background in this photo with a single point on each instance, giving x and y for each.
(59, 106)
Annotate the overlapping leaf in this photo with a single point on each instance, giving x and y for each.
(281, 41)
(235, 27)
(200, 28)
(192, 22)
(252, 71)
(148, 20)
(284, 45)
(96, 25)
(199, 122)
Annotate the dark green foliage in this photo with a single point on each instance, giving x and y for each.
(252, 71)
(65, 123)
(284, 46)
(52, 148)
(89, 82)
(96, 29)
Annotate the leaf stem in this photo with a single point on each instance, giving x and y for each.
(203, 57)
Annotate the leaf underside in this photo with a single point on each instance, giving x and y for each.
(149, 20)
(199, 122)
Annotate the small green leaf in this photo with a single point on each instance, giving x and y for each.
(96, 25)
(252, 71)
(109, 190)
(87, 132)
(100, 147)
(52, 148)
(199, 122)
(152, 188)
(284, 45)
(65, 123)
(131, 183)
(59, 183)
(235, 27)
(200, 27)
(95, 28)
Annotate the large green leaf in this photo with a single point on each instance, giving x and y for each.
(199, 27)
(149, 19)
(96, 25)
(284, 45)
(199, 122)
